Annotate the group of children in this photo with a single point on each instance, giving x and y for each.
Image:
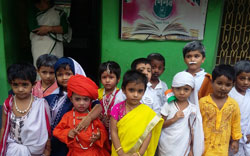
(65, 113)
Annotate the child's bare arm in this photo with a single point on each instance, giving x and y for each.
(178, 115)
(93, 114)
(115, 139)
(3, 123)
(144, 145)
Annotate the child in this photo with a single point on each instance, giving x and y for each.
(81, 91)
(149, 98)
(135, 128)
(194, 56)
(241, 93)
(25, 118)
(220, 114)
(60, 104)
(45, 68)
(109, 74)
(158, 66)
(182, 132)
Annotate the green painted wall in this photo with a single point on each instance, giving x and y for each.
(3, 78)
(14, 41)
(124, 52)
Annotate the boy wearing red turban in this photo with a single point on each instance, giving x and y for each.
(93, 141)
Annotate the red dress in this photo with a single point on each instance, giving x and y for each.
(99, 148)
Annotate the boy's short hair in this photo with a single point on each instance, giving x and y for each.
(242, 66)
(23, 71)
(46, 60)
(223, 70)
(156, 56)
(193, 46)
(110, 66)
(134, 76)
(139, 61)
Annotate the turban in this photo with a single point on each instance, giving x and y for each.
(182, 79)
(83, 86)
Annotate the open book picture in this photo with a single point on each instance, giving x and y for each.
(163, 20)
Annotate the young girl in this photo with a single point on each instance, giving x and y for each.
(81, 91)
(60, 104)
(182, 132)
(25, 118)
(109, 95)
(135, 128)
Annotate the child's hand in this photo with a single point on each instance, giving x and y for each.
(235, 146)
(84, 124)
(42, 30)
(72, 133)
(248, 138)
(95, 136)
(179, 115)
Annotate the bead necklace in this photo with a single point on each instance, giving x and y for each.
(107, 101)
(26, 110)
(92, 127)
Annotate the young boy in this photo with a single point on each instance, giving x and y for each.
(149, 98)
(221, 114)
(181, 129)
(109, 74)
(241, 93)
(92, 141)
(158, 66)
(194, 56)
(45, 68)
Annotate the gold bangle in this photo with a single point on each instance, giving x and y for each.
(118, 149)
(138, 153)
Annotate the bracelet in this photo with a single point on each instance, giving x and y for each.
(138, 153)
(118, 149)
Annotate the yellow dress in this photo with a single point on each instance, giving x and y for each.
(134, 127)
(219, 125)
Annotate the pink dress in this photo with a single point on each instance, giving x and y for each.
(118, 111)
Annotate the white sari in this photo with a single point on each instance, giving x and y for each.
(34, 133)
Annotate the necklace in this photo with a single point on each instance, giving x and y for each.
(92, 127)
(107, 101)
(24, 111)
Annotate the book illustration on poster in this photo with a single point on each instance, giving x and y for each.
(147, 25)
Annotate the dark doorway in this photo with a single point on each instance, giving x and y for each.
(85, 19)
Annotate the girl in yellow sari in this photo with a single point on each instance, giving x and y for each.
(135, 128)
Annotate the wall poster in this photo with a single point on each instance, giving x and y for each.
(163, 19)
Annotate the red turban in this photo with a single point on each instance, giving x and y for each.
(83, 86)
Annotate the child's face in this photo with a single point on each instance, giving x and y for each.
(221, 87)
(63, 76)
(242, 82)
(134, 92)
(47, 75)
(109, 80)
(157, 68)
(43, 5)
(145, 69)
(21, 88)
(81, 103)
(194, 59)
(182, 93)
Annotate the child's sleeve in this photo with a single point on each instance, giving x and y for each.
(61, 131)
(236, 128)
(165, 109)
